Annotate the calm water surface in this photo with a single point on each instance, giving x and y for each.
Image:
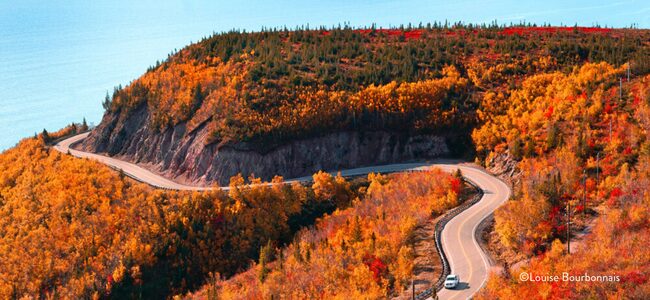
(58, 58)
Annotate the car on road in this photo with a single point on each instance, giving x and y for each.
(452, 281)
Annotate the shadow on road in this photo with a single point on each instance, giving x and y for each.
(462, 286)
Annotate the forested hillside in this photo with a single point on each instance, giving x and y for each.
(582, 148)
(562, 113)
(73, 228)
(259, 85)
(266, 92)
(365, 251)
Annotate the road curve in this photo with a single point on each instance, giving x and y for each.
(464, 254)
(130, 169)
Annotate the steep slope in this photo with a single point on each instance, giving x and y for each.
(580, 142)
(292, 102)
(75, 229)
(186, 158)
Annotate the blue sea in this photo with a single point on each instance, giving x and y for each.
(59, 58)
(57, 61)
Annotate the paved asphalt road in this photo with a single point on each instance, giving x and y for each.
(463, 252)
(466, 258)
(130, 169)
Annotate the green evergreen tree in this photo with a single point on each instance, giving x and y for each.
(458, 174)
(517, 151)
(45, 136)
(356, 230)
(84, 125)
(107, 102)
(266, 255)
(552, 136)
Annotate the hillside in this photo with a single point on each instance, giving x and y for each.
(75, 229)
(292, 102)
(572, 144)
(561, 113)
(580, 145)
(364, 251)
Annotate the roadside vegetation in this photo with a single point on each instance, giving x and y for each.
(266, 88)
(365, 251)
(546, 99)
(66, 132)
(583, 151)
(74, 228)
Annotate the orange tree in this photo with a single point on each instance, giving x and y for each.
(362, 251)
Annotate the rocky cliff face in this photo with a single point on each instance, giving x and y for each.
(504, 166)
(183, 156)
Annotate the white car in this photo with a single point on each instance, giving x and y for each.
(452, 281)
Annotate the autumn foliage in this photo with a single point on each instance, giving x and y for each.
(73, 228)
(545, 99)
(274, 86)
(364, 251)
(582, 146)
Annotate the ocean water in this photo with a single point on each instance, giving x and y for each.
(59, 58)
(58, 62)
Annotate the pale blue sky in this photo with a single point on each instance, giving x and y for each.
(58, 58)
(221, 15)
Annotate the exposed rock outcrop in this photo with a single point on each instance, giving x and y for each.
(185, 157)
(504, 166)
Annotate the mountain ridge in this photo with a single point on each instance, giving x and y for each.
(234, 95)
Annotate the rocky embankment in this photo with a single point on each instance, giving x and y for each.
(185, 157)
(504, 166)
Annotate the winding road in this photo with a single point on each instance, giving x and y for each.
(465, 256)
